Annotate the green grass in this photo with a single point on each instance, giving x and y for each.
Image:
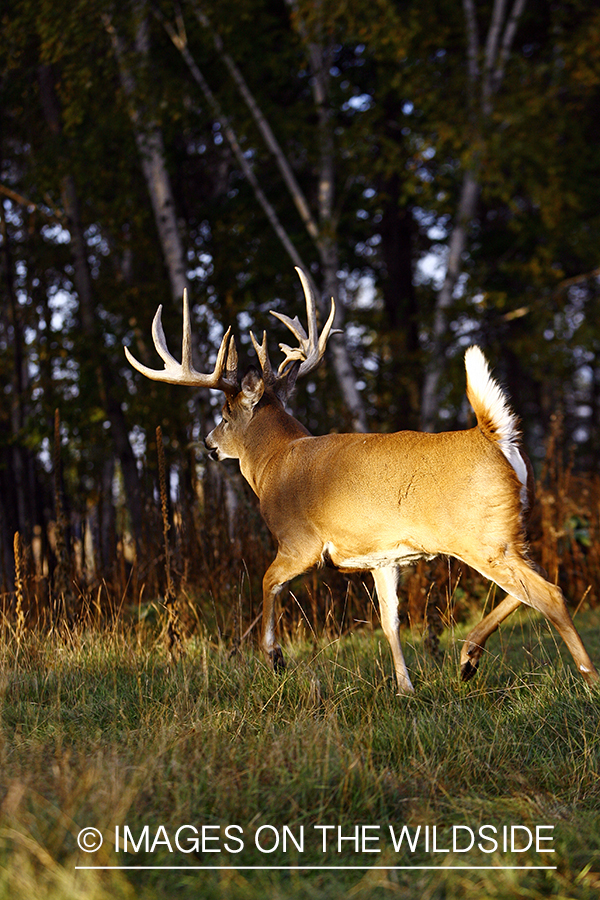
(100, 729)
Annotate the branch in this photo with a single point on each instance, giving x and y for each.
(576, 279)
(327, 244)
(491, 53)
(319, 67)
(324, 245)
(179, 40)
(149, 140)
(507, 41)
(264, 128)
(493, 73)
(55, 215)
(472, 42)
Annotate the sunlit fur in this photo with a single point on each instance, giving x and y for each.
(494, 415)
(375, 502)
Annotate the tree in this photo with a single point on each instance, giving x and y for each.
(322, 233)
(485, 77)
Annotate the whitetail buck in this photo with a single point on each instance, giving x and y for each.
(376, 501)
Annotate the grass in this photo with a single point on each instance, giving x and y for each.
(100, 729)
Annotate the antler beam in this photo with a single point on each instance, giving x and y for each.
(311, 347)
(308, 353)
(224, 376)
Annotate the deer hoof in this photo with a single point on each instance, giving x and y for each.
(277, 660)
(467, 670)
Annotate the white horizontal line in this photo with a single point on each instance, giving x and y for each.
(314, 868)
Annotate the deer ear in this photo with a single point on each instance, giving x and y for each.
(253, 387)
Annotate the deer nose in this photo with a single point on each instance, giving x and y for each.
(213, 452)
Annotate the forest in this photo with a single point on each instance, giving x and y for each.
(434, 166)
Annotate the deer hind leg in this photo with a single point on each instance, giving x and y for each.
(474, 644)
(386, 584)
(518, 578)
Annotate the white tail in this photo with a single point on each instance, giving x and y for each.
(494, 415)
(379, 501)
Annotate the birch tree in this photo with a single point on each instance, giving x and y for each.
(150, 144)
(485, 74)
(319, 54)
(322, 232)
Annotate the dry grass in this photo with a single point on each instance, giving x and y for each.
(193, 571)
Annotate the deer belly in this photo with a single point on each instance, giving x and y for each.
(400, 555)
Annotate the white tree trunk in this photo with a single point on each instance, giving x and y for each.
(483, 85)
(325, 246)
(148, 138)
(326, 241)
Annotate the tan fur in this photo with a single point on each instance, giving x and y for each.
(375, 502)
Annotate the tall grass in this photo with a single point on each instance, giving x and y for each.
(100, 728)
(202, 564)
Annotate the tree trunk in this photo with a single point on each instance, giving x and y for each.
(327, 241)
(482, 86)
(400, 355)
(149, 140)
(20, 462)
(326, 248)
(83, 286)
(458, 241)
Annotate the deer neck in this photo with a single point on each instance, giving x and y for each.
(268, 436)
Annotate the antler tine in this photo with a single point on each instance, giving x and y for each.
(311, 347)
(311, 306)
(186, 338)
(224, 375)
(263, 357)
(231, 368)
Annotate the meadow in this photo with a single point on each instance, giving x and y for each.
(148, 750)
(101, 728)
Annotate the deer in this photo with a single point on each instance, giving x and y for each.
(376, 502)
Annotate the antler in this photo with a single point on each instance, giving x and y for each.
(310, 348)
(308, 353)
(223, 378)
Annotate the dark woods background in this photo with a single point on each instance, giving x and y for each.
(436, 167)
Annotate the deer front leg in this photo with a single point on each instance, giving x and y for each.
(268, 642)
(283, 568)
